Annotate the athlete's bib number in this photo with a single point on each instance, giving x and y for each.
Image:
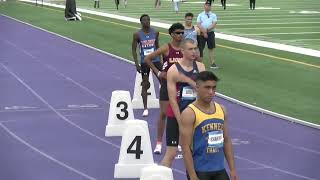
(215, 139)
(188, 93)
(148, 51)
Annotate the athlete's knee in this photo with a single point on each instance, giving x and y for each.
(163, 115)
(171, 154)
(145, 84)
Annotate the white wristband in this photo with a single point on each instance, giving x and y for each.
(159, 72)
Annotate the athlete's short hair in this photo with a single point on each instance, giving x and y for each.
(143, 15)
(185, 41)
(175, 26)
(188, 14)
(206, 76)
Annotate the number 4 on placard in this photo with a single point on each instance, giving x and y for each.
(138, 150)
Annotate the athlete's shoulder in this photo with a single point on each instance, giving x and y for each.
(200, 66)
(164, 49)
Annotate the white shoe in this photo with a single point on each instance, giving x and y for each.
(179, 148)
(157, 149)
(78, 17)
(145, 113)
(179, 156)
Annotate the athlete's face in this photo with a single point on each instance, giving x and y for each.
(177, 35)
(189, 51)
(188, 20)
(145, 22)
(206, 90)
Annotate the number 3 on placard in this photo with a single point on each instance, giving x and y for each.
(124, 110)
(138, 150)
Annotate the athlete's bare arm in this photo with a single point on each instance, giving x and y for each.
(186, 134)
(157, 45)
(162, 51)
(135, 42)
(172, 79)
(228, 150)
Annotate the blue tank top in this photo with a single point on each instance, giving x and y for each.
(190, 34)
(147, 44)
(186, 93)
(207, 146)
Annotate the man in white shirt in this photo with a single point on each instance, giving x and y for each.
(207, 22)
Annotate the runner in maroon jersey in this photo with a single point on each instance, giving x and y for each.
(171, 53)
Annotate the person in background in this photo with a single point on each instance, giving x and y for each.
(157, 4)
(96, 3)
(176, 5)
(223, 4)
(191, 31)
(252, 4)
(207, 22)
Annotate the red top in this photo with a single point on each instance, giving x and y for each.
(173, 57)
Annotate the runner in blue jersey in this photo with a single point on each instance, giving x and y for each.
(204, 134)
(147, 39)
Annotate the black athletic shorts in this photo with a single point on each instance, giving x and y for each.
(210, 42)
(172, 132)
(216, 175)
(145, 70)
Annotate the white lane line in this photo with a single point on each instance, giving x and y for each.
(243, 24)
(267, 28)
(56, 71)
(252, 169)
(46, 155)
(19, 107)
(73, 81)
(232, 38)
(245, 20)
(44, 110)
(56, 111)
(21, 50)
(256, 17)
(295, 40)
(276, 140)
(275, 168)
(261, 34)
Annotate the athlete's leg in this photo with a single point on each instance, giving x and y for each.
(161, 125)
(145, 71)
(172, 136)
(163, 102)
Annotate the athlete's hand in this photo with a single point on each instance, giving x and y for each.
(138, 67)
(162, 75)
(234, 175)
(195, 177)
